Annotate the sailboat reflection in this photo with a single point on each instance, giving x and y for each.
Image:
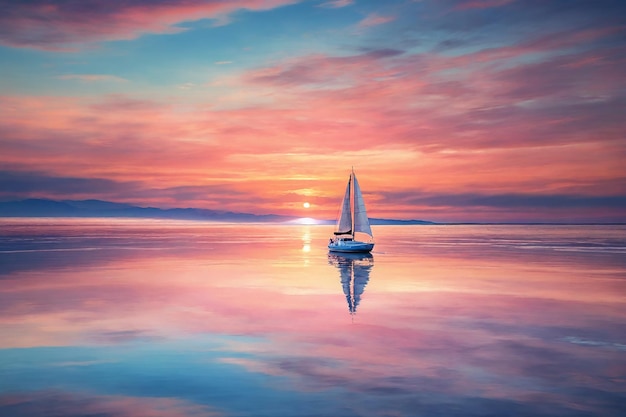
(354, 270)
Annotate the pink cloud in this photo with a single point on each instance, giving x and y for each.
(335, 4)
(324, 70)
(67, 25)
(481, 4)
(79, 404)
(375, 19)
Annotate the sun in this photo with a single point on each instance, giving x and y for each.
(306, 204)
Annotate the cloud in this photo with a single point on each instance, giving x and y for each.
(335, 4)
(123, 336)
(374, 19)
(481, 4)
(32, 183)
(321, 69)
(546, 202)
(187, 86)
(73, 404)
(17, 185)
(478, 21)
(92, 78)
(66, 24)
(519, 201)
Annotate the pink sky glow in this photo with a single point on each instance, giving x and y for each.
(199, 104)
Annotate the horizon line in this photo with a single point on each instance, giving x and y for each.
(288, 219)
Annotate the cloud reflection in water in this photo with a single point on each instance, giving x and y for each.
(203, 320)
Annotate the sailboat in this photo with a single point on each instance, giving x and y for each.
(352, 220)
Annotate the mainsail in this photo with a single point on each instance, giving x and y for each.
(361, 222)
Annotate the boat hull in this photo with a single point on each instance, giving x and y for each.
(352, 246)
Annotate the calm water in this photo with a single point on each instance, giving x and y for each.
(153, 318)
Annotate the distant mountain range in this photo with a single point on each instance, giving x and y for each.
(98, 208)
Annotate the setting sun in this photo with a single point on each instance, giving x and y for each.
(306, 204)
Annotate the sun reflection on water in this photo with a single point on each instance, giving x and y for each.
(306, 240)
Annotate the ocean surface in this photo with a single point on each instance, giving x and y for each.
(170, 318)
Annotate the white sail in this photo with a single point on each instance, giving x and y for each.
(361, 222)
(344, 224)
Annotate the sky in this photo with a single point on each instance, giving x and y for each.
(448, 110)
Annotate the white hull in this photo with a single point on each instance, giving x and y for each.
(351, 246)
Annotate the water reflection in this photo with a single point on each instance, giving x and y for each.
(354, 271)
(169, 319)
(306, 240)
